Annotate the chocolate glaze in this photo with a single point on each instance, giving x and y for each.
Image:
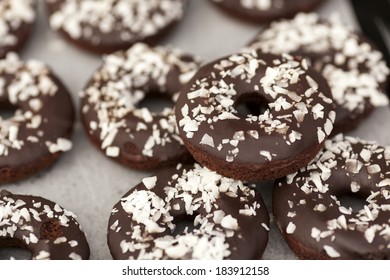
(266, 11)
(139, 138)
(308, 211)
(230, 220)
(41, 226)
(19, 17)
(126, 22)
(284, 138)
(40, 129)
(354, 67)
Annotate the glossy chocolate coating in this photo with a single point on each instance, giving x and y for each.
(230, 220)
(41, 126)
(266, 10)
(139, 138)
(310, 216)
(41, 226)
(255, 147)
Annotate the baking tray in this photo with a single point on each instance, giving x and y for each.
(89, 184)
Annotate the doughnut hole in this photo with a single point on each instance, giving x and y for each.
(13, 248)
(156, 102)
(50, 229)
(355, 201)
(251, 104)
(184, 224)
(7, 110)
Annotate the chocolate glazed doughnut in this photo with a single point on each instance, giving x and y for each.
(41, 226)
(17, 18)
(353, 66)
(136, 137)
(230, 220)
(254, 147)
(310, 216)
(263, 11)
(42, 122)
(111, 25)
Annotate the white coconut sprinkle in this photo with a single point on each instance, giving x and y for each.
(62, 145)
(255, 4)
(74, 256)
(331, 252)
(73, 243)
(229, 222)
(291, 227)
(60, 240)
(112, 151)
(150, 182)
(43, 255)
(266, 154)
(207, 140)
